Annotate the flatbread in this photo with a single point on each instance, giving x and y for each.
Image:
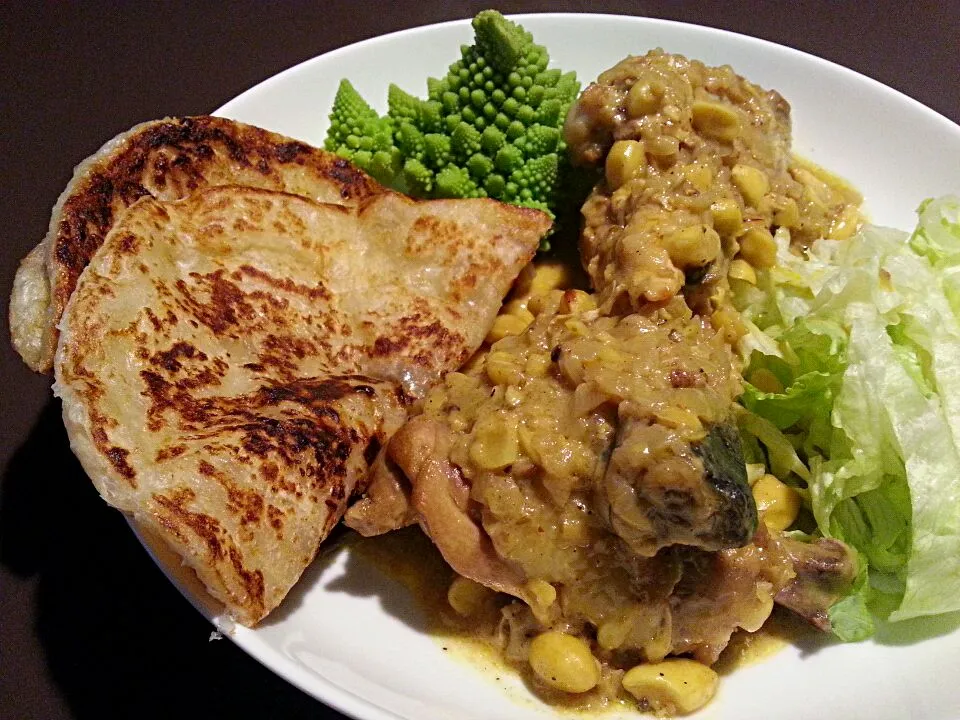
(231, 363)
(167, 159)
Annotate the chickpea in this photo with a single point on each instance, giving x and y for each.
(613, 633)
(513, 396)
(659, 645)
(495, 443)
(740, 269)
(507, 325)
(715, 120)
(644, 98)
(818, 190)
(693, 246)
(467, 597)
(542, 592)
(777, 503)
(676, 686)
(663, 147)
(752, 183)
(577, 327)
(537, 364)
(727, 218)
(502, 369)
(543, 277)
(564, 662)
(758, 247)
(845, 224)
(680, 418)
(576, 302)
(518, 308)
(626, 159)
(575, 527)
(785, 212)
(727, 321)
(699, 175)
(530, 445)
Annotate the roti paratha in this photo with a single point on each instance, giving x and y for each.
(167, 159)
(231, 363)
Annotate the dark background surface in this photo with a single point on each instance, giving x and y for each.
(89, 627)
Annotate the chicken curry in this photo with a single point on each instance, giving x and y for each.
(583, 474)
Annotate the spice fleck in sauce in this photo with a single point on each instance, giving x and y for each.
(408, 557)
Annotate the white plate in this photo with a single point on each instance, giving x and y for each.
(348, 635)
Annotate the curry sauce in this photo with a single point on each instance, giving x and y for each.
(583, 475)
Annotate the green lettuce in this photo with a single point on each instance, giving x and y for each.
(858, 346)
(850, 618)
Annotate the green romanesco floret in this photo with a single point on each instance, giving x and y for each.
(418, 176)
(426, 115)
(492, 126)
(359, 134)
(508, 158)
(500, 41)
(455, 182)
(436, 149)
(480, 166)
(464, 141)
(534, 184)
(386, 164)
(401, 105)
(410, 140)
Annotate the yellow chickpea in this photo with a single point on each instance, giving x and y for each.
(715, 120)
(740, 269)
(693, 246)
(495, 443)
(727, 218)
(577, 301)
(752, 183)
(785, 212)
(549, 276)
(758, 247)
(845, 224)
(644, 98)
(672, 687)
(507, 325)
(626, 159)
(467, 597)
(777, 503)
(564, 662)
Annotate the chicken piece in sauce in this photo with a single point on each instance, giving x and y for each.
(592, 455)
(590, 466)
(698, 175)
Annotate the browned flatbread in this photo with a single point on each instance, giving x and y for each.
(231, 363)
(166, 159)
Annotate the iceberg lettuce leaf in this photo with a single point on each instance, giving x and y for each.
(863, 340)
(851, 619)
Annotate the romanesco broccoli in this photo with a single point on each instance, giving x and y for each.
(491, 127)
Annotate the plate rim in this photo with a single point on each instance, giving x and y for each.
(227, 106)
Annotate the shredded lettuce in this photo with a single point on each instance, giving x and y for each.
(853, 370)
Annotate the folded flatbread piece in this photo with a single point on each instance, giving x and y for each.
(231, 363)
(166, 159)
